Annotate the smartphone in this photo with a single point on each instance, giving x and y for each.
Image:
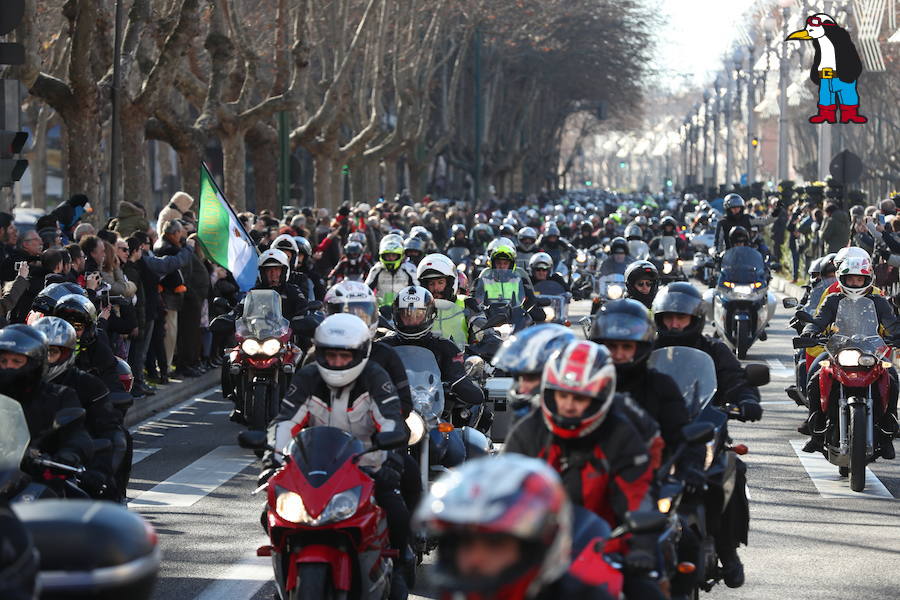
(19, 264)
(881, 220)
(104, 298)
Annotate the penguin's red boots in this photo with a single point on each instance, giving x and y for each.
(827, 114)
(849, 114)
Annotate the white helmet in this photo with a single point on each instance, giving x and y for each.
(541, 258)
(342, 332)
(353, 297)
(847, 252)
(275, 258)
(286, 242)
(859, 266)
(434, 266)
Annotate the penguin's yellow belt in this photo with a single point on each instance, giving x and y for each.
(827, 73)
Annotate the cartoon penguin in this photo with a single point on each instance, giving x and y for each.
(836, 67)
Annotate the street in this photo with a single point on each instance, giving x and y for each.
(810, 538)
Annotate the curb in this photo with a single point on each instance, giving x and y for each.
(176, 392)
(780, 284)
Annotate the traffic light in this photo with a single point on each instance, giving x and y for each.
(622, 165)
(588, 183)
(11, 13)
(12, 168)
(755, 142)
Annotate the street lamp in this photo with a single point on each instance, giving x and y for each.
(782, 92)
(717, 85)
(705, 136)
(751, 117)
(736, 60)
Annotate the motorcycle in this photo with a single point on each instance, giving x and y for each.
(328, 536)
(856, 366)
(670, 265)
(461, 257)
(124, 565)
(741, 306)
(638, 249)
(558, 309)
(581, 280)
(607, 287)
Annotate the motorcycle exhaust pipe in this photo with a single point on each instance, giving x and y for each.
(843, 418)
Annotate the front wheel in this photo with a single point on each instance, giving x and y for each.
(742, 338)
(858, 457)
(313, 583)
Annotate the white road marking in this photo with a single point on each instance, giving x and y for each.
(829, 483)
(174, 409)
(142, 453)
(778, 370)
(219, 412)
(777, 402)
(197, 480)
(242, 580)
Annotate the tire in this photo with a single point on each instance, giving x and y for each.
(259, 407)
(858, 458)
(742, 339)
(313, 583)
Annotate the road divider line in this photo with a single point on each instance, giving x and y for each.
(166, 414)
(242, 580)
(142, 453)
(830, 484)
(196, 481)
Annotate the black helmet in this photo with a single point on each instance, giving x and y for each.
(738, 235)
(625, 321)
(551, 229)
(353, 251)
(507, 230)
(79, 312)
(46, 300)
(587, 225)
(682, 298)
(827, 268)
(667, 221)
(642, 269)
(618, 244)
(457, 229)
(31, 343)
(733, 201)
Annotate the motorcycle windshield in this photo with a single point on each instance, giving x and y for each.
(743, 265)
(458, 254)
(262, 317)
(667, 245)
(320, 451)
(693, 371)
(500, 285)
(548, 288)
(638, 249)
(14, 437)
(424, 377)
(856, 327)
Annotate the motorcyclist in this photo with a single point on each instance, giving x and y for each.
(274, 274)
(414, 313)
(585, 238)
(526, 245)
(508, 540)
(680, 313)
(23, 364)
(352, 264)
(458, 239)
(610, 228)
(855, 278)
(345, 389)
(310, 282)
(642, 282)
(668, 227)
(523, 357)
(734, 206)
(482, 234)
(459, 318)
(618, 259)
(391, 273)
(94, 353)
(540, 268)
(557, 247)
(414, 249)
(287, 244)
(102, 420)
(502, 257)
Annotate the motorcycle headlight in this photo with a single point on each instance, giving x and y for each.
(582, 258)
(250, 347)
(550, 312)
(461, 268)
(289, 506)
(728, 284)
(667, 268)
(614, 292)
(416, 425)
(743, 289)
(850, 358)
(270, 347)
(680, 262)
(867, 360)
(664, 505)
(341, 507)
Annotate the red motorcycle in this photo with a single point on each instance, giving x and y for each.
(329, 539)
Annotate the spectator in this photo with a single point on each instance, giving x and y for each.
(196, 278)
(28, 249)
(131, 218)
(69, 213)
(77, 261)
(835, 231)
(173, 285)
(136, 271)
(175, 209)
(82, 230)
(47, 270)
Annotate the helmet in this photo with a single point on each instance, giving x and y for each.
(855, 265)
(633, 212)
(848, 251)
(438, 266)
(507, 495)
(304, 248)
(826, 266)
(482, 232)
(358, 237)
(625, 321)
(286, 243)
(815, 268)
(342, 332)
(633, 232)
(541, 259)
(31, 343)
(418, 303)
(733, 201)
(353, 251)
(526, 353)
(78, 311)
(642, 269)
(682, 298)
(414, 248)
(507, 230)
(641, 221)
(668, 221)
(274, 258)
(586, 225)
(502, 248)
(551, 229)
(582, 368)
(62, 335)
(618, 244)
(391, 245)
(353, 297)
(527, 238)
(123, 372)
(46, 300)
(458, 228)
(738, 235)
(420, 232)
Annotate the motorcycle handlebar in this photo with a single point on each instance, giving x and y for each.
(42, 461)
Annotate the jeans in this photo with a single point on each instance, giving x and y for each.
(834, 91)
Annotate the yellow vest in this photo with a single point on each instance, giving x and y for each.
(451, 323)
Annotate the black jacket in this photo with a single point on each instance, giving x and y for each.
(97, 358)
(102, 419)
(657, 394)
(40, 410)
(725, 226)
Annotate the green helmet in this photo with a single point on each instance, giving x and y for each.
(391, 244)
(502, 248)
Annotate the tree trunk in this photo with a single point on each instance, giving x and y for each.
(360, 190)
(390, 179)
(83, 144)
(38, 163)
(234, 165)
(418, 178)
(189, 164)
(323, 182)
(135, 172)
(263, 144)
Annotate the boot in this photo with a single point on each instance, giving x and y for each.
(886, 432)
(849, 114)
(827, 114)
(732, 569)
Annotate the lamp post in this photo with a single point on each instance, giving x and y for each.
(736, 60)
(717, 85)
(751, 116)
(782, 93)
(705, 136)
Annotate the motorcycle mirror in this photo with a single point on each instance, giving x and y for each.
(790, 302)
(543, 301)
(498, 318)
(314, 306)
(221, 304)
(253, 440)
(68, 417)
(222, 325)
(804, 316)
(698, 433)
(645, 521)
(389, 440)
(757, 375)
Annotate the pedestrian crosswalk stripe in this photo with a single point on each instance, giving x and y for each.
(829, 483)
(242, 580)
(142, 453)
(197, 480)
(778, 370)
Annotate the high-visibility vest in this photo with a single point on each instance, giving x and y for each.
(451, 323)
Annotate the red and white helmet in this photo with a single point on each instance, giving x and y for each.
(583, 368)
(849, 251)
(860, 266)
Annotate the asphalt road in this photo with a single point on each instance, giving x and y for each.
(811, 537)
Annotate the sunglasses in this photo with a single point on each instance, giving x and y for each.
(643, 284)
(818, 22)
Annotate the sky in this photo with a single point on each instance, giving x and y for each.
(696, 35)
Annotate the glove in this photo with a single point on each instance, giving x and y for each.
(68, 457)
(639, 562)
(388, 477)
(94, 483)
(694, 480)
(807, 334)
(750, 411)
